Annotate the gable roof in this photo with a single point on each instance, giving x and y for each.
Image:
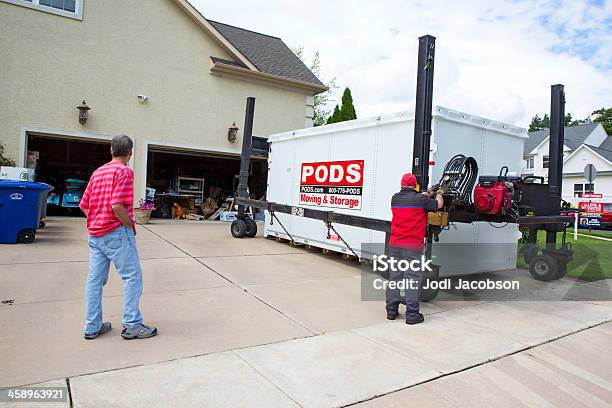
(605, 153)
(269, 54)
(607, 143)
(574, 136)
(256, 56)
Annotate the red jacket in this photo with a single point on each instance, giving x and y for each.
(409, 221)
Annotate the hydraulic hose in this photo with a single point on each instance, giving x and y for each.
(459, 177)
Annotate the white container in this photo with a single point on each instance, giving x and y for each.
(16, 173)
(384, 146)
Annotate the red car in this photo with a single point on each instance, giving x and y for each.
(606, 216)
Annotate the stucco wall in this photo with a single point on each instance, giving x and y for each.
(119, 50)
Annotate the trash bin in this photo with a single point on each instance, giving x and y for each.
(43, 204)
(20, 210)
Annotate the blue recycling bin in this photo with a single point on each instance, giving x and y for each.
(20, 210)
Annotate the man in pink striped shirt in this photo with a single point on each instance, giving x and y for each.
(108, 204)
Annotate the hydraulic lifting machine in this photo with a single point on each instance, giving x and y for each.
(530, 201)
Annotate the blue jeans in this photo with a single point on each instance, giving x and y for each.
(412, 295)
(118, 246)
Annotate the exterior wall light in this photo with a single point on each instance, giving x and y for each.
(232, 131)
(83, 108)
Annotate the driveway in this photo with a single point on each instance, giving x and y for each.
(261, 323)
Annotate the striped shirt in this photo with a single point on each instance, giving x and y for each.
(112, 183)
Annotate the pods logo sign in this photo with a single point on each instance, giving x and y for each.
(336, 184)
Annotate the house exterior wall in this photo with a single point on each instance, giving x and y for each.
(538, 158)
(573, 172)
(121, 49)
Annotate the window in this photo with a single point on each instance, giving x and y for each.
(545, 161)
(580, 189)
(66, 5)
(530, 162)
(66, 8)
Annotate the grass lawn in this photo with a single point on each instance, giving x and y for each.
(592, 257)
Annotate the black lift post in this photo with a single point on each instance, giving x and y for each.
(423, 110)
(245, 157)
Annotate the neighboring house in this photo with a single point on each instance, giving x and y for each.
(193, 77)
(584, 144)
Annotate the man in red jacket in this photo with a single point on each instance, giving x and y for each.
(408, 228)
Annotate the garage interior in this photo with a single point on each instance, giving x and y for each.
(58, 158)
(199, 182)
(210, 178)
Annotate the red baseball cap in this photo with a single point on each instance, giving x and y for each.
(409, 180)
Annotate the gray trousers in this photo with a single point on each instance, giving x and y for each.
(412, 295)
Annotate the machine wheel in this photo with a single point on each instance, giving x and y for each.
(41, 224)
(238, 228)
(561, 269)
(251, 227)
(529, 252)
(428, 295)
(544, 268)
(26, 236)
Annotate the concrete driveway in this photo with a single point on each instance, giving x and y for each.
(260, 323)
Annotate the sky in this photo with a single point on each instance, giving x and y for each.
(494, 58)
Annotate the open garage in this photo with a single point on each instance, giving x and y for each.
(196, 179)
(66, 163)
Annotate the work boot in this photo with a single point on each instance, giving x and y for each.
(138, 332)
(416, 319)
(106, 326)
(391, 313)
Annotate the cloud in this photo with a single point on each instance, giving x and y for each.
(494, 59)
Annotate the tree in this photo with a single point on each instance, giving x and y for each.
(321, 114)
(538, 123)
(604, 116)
(347, 112)
(335, 117)
(5, 160)
(344, 112)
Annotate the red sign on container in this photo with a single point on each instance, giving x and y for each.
(336, 184)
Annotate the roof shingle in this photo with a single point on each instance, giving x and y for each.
(269, 54)
(605, 153)
(574, 136)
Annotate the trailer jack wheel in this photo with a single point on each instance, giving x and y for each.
(561, 269)
(529, 251)
(544, 268)
(251, 227)
(427, 295)
(239, 228)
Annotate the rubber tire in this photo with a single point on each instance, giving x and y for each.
(26, 236)
(251, 227)
(544, 268)
(529, 253)
(428, 295)
(561, 269)
(238, 228)
(42, 224)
